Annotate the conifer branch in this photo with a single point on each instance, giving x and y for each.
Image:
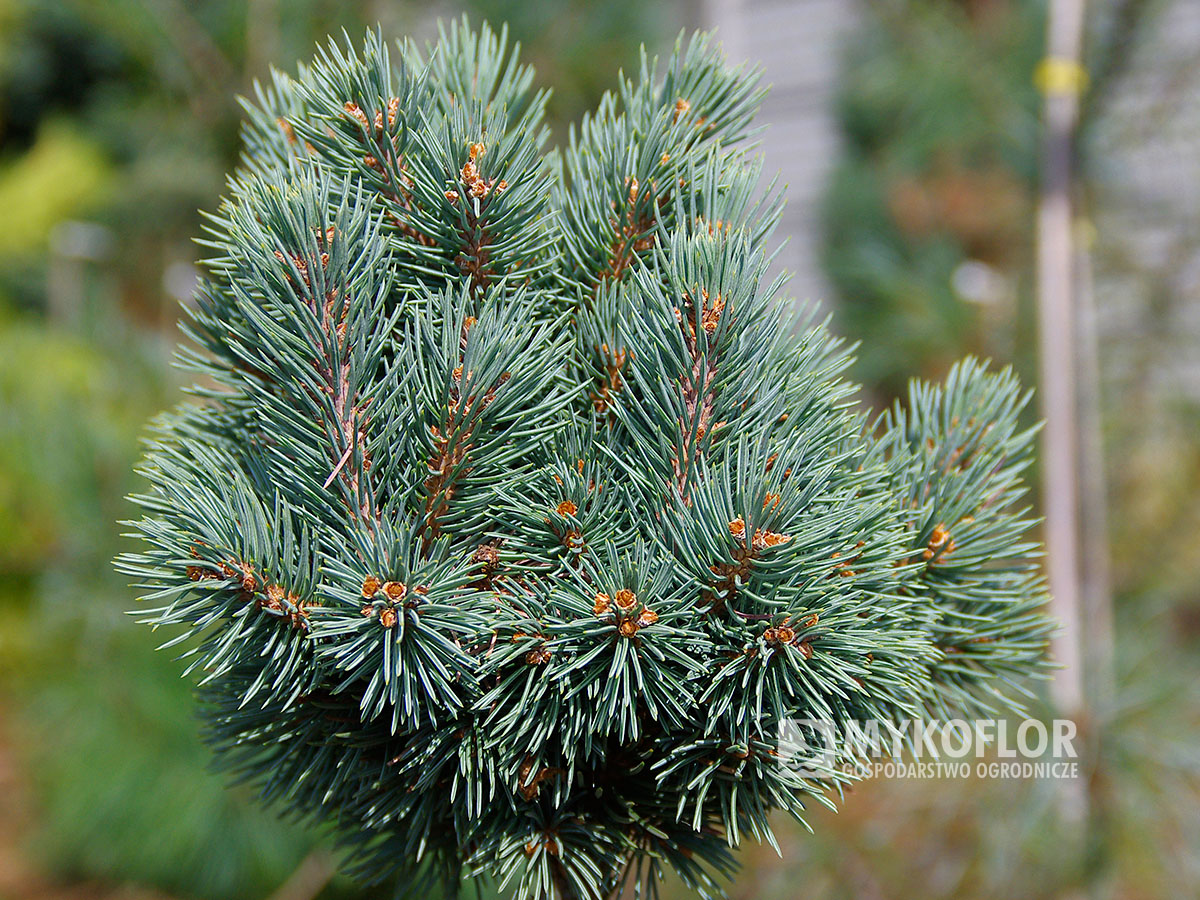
(518, 510)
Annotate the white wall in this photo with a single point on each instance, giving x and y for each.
(799, 45)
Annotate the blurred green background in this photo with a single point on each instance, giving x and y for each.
(118, 122)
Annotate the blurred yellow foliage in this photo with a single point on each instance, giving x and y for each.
(61, 176)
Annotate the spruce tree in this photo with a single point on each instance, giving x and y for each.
(515, 508)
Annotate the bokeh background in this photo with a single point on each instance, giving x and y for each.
(909, 133)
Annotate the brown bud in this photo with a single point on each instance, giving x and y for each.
(249, 582)
(486, 555)
(939, 537)
(357, 114)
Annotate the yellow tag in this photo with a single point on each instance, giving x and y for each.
(1055, 75)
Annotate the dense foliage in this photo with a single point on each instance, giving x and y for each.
(516, 509)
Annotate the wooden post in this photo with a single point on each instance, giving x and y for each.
(1061, 78)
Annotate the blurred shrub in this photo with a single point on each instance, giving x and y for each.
(69, 417)
(927, 217)
(62, 175)
(122, 783)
